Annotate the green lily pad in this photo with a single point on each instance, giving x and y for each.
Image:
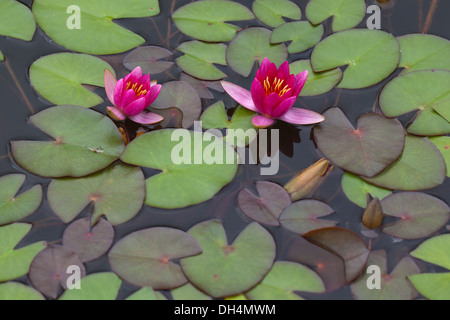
(144, 258)
(346, 13)
(189, 292)
(224, 270)
(16, 263)
(97, 286)
(302, 35)
(367, 150)
(88, 242)
(147, 293)
(268, 206)
(356, 190)
(14, 208)
(344, 243)
(271, 12)
(436, 250)
(180, 95)
(84, 142)
(205, 20)
(215, 117)
(16, 20)
(149, 59)
(370, 56)
(393, 286)
(183, 158)
(420, 167)
(118, 192)
(98, 34)
(443, 144)
(202, 87)
(17, 291)
(426, 91)
(420, 214)
(1, 56)
(50, 270)
(423, 51)
(253, 45)
(317, 82)
(199, 57)
(283, 280)
(301, 216)
(59, 77)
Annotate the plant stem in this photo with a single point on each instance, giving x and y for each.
(17, 83)
(430, 16)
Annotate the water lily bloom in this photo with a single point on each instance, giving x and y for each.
(131, 96)
(273, 93)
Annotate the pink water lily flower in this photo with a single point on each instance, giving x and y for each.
(131, 96)
(273, 93)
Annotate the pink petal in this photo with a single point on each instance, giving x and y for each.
(241, 95)
(299, 82)
(283, 107)
(118, 92)
(147, 118)
(267, 70)
(283, 70)
(137, 72)
(301, 116)
(135, 107)
(270, 103)
(110, 84)
(128, 97)
(261, 122)
(152, 94)
(115, 113)
(258, 94)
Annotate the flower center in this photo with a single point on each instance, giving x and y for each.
(277, 85)
(137, 90)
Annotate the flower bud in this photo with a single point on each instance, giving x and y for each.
(373, 215)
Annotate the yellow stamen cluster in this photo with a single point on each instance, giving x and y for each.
(138, 91)
(275, 86)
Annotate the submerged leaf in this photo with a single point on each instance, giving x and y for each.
(149, 58)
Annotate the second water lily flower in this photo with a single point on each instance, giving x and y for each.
(272, 95)
(131, 96)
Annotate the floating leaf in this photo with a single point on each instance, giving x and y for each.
(426, 91)
(89, 243)
(423, 51)
(149, 59)
(189, 292)
(16, 263)
(346, 244)
(283, 280)
(59, 77)
(16, 291)
(147, 293)
(50, 269)
(185, 179)
(16, 20)
(205, 20)
(97, 286)
(118, 192)
(346, 13)
(202, 86)
(1, 56)
(302, 34)
(271, 12)
(14, 208)
(301, 216)
(97, 33)
(420, 167)
(180, 95)
(373, 215)
(144, 258)
(393, 286)
(356, 189)
(443, 144)
(370, 56)
(224, 270)
(266, 208)
(241, 126)
(199, 57)
(376, 143)
(436, 250)
(317, 82)
(420, 214)
(85, 141)
(253, 45)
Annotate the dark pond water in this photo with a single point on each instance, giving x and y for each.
(19, 101)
